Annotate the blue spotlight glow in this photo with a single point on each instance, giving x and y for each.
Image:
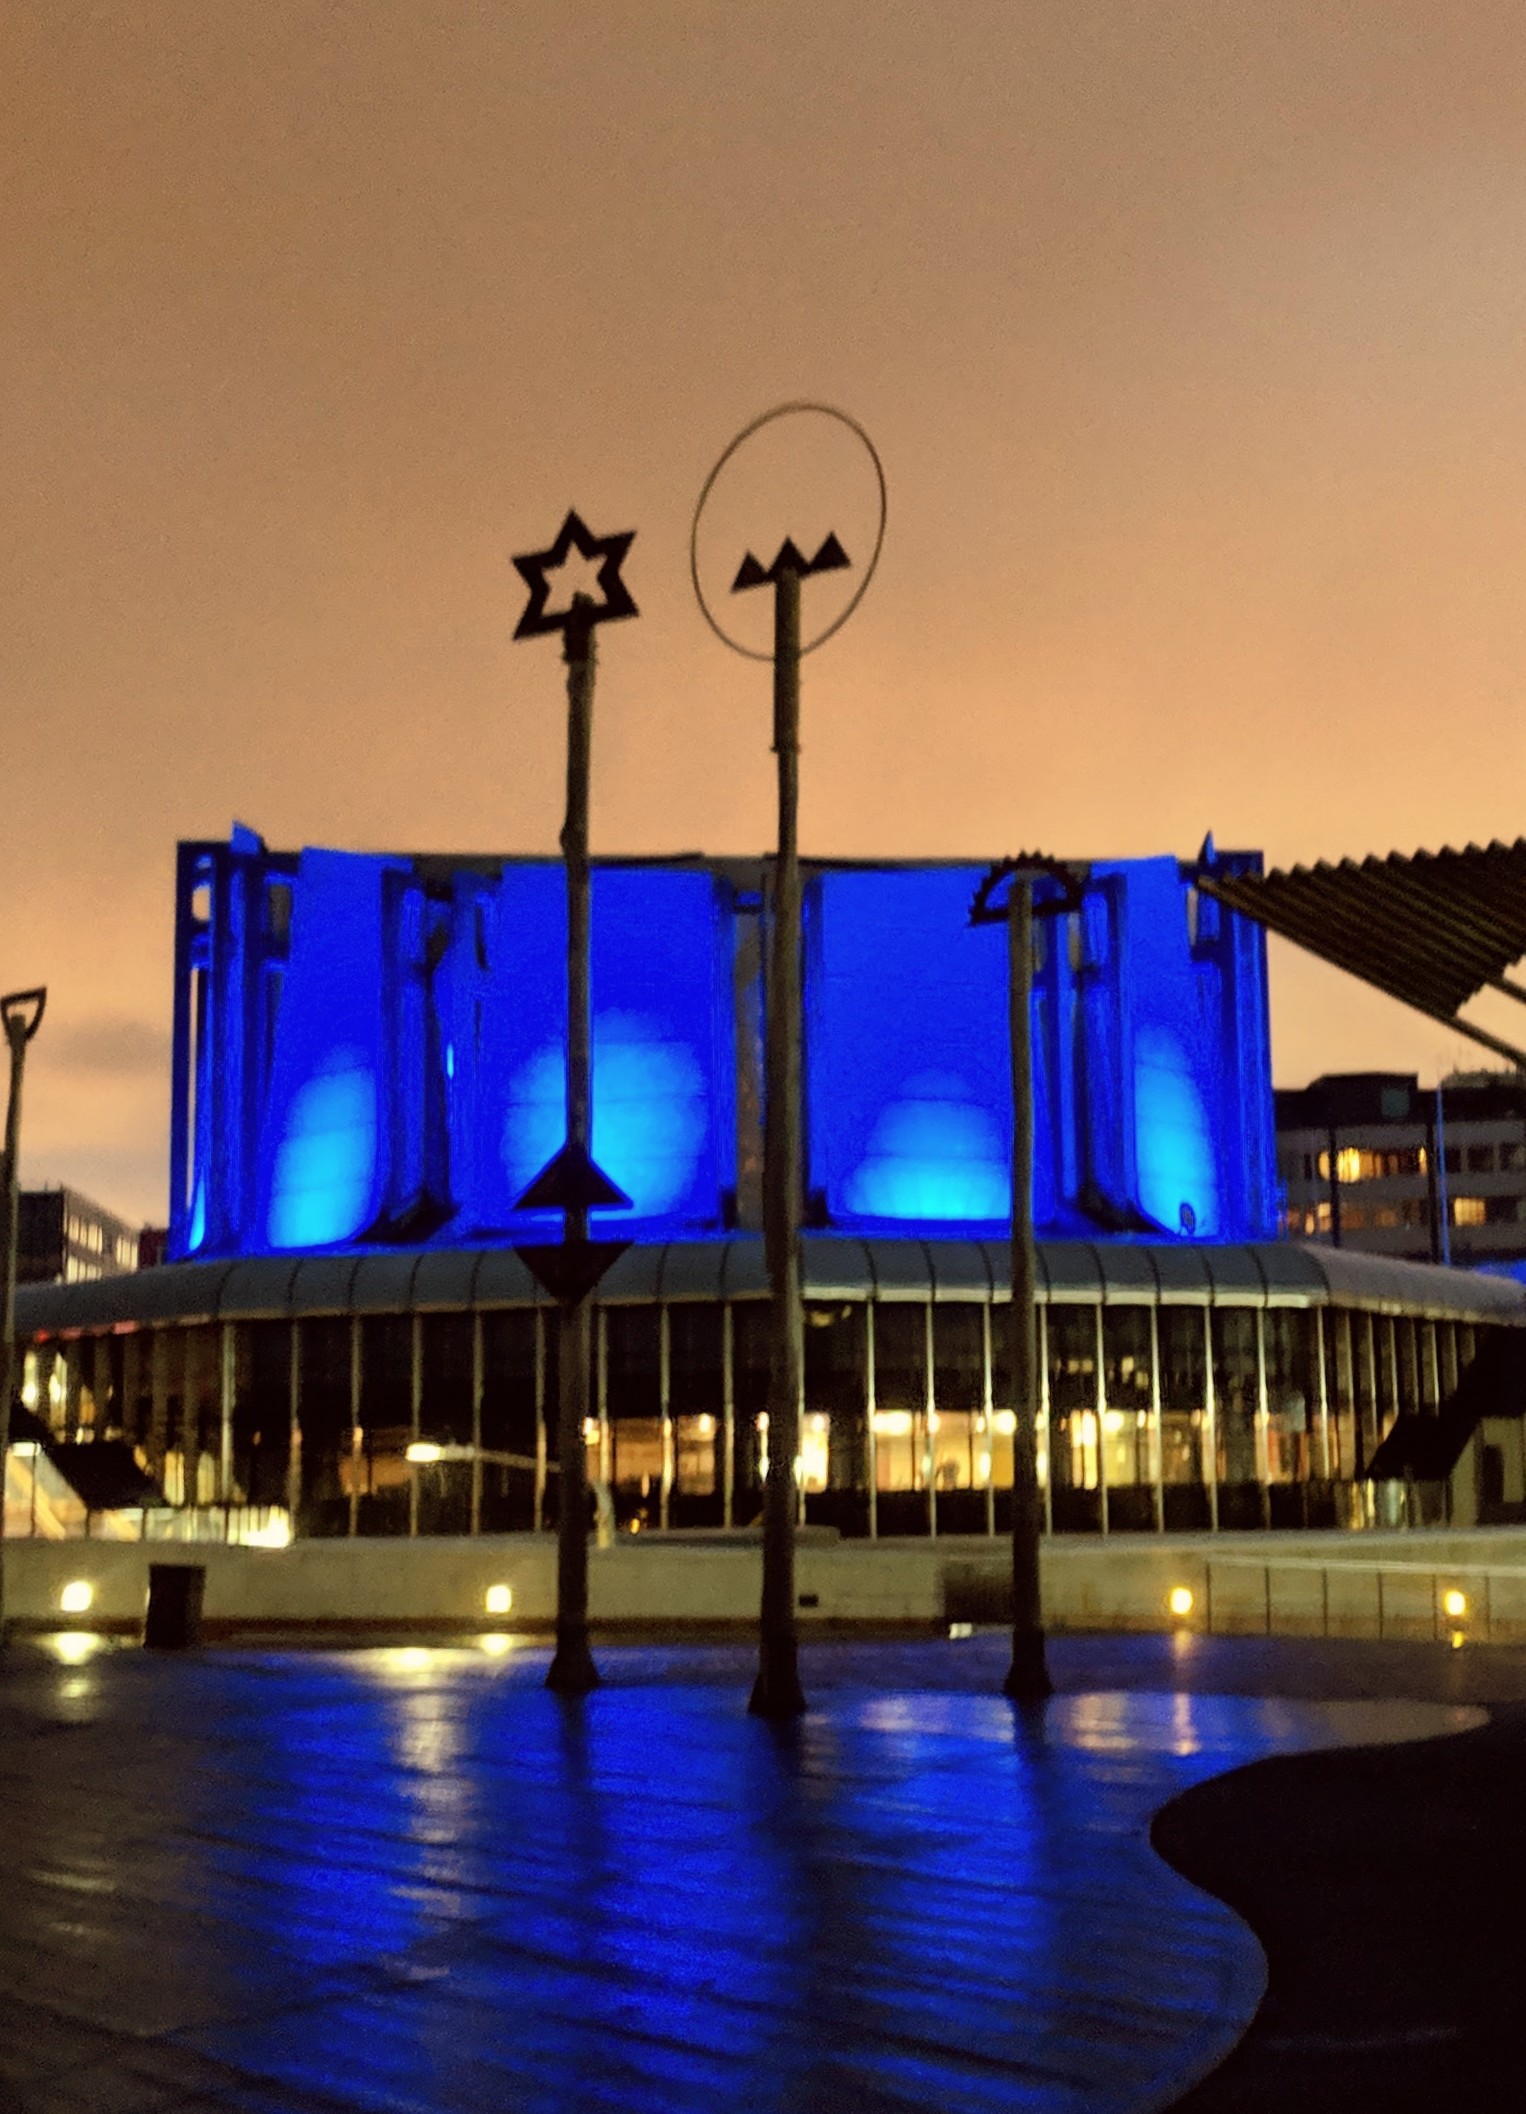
(935, 1154)
(649, 1111)
(320, 1185)
(1174, 1140)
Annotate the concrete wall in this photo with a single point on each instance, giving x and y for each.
(1288, 1583)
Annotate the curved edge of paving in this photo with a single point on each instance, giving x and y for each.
(1383, 1883)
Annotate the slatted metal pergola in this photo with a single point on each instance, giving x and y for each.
(1432, 929)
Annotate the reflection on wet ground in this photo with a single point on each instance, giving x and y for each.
(409, 1879)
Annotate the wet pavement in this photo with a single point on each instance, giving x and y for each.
(409, 1880)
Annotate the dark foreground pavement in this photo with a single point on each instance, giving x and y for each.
(1388, 1889)
(409, 1881)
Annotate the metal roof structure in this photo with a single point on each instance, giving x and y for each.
(1432, 929)
(1265, 1273)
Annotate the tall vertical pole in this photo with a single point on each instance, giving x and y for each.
(1028, 1676)
(572, 1669)
(18, 1032)
(777, 1692)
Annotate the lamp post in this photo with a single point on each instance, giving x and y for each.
(777, 1692)
(1027, 1678)
(21, 1016)
(570, 1181)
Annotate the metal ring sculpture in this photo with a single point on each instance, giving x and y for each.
(752, 653)
(1039, 866)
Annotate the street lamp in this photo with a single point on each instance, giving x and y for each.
(777, 1692)
(20, 1016)
(570, 1182)
(1028, 1674)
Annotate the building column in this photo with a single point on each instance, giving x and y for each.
(415, 1414)
(227, 1385)
(871, 1447)
(1099, 1392)
(478, 1377)
(1157, 1433)
(728, 1420)
(988, 1416)
(1210, 1424)
(929, 1422)
(294, 1447)
(665, 1414)
(357, 1428)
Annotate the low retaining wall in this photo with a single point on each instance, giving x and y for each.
(1287, 1584)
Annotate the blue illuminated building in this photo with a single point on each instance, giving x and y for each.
(368, 1073)
(368, 1051)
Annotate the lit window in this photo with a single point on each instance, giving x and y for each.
(1468, 1211)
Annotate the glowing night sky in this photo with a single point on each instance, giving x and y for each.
(1190, 335)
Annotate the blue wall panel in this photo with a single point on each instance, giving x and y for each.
(908, 1074)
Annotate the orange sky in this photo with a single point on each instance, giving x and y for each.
(1191, 336)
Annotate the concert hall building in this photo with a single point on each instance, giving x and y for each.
(368, 1057)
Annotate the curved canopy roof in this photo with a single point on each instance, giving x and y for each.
(1269, 1273)
(1430, 928)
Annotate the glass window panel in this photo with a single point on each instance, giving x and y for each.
(696, 1369)
(1340, 1388)
(445, 1408)
(960, 1454)
(836, 1396)
(508, 1382)
(1292, 1391)
(632, 1362)
(694, 1441)
(959, 1355)
(1126, 1357)
(1409, 1367)
(1236, 1392)
(1072, 1349)
(262, 1411)
(900, 1356)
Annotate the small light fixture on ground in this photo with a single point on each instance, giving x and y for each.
(77, 1597)
(498, 1599)
(1179, 1601)
(1454, 1605)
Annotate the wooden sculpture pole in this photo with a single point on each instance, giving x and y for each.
(777, 1692)
(572, 1670)
(1028, 1675)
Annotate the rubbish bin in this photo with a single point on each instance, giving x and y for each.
(172, 1622)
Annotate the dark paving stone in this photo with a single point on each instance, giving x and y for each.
(408, 1881)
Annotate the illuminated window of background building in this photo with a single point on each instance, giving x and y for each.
(1072, 1360)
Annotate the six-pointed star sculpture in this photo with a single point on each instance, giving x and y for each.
(573, 536)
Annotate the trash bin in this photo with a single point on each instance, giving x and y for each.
(172, 1622)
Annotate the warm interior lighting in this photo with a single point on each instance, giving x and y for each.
(423, 1450)
(892, 1423)
(1179, 1600)
(74, 1647)
(77, 1597)
(590, 1431)
(498, 1599)
(1454, 1605)
(275, 1535)
(1004, 1423)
